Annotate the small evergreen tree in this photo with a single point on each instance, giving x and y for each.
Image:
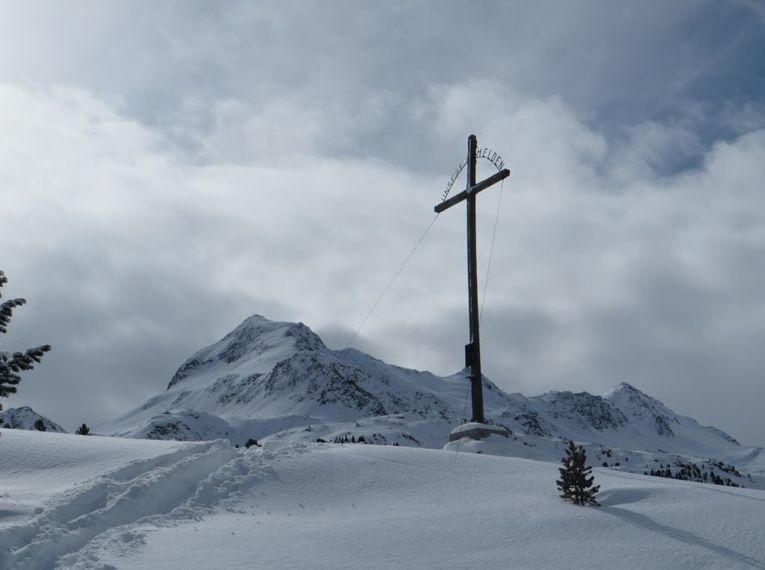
(576, 483)
(13, 364)
(40, 425)
(83, 430)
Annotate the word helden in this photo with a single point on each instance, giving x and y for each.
(494, 157)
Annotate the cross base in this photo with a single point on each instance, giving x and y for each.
(475, 430)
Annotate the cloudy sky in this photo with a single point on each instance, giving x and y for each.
(169, 168)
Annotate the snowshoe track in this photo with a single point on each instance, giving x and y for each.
(104, 509)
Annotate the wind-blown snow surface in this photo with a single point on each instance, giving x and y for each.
(96, 503)
(276, 380)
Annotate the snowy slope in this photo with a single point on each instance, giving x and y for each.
(278, 380)
(25, 417)
(137, 504)
(749, 459)
(35, 466)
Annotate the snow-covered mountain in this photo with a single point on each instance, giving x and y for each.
(270, 379)
(267, 377)
(25, 417)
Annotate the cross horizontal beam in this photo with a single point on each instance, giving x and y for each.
(483, 185)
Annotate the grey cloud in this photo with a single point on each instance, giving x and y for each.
(179, 65)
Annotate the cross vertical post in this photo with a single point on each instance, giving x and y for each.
(473, 348)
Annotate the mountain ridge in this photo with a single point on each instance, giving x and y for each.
(268, 379)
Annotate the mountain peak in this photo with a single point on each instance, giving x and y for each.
(640, 406)
(625, 392)
(25, 417)
(254, 338)
(624, 388)
(258, 334)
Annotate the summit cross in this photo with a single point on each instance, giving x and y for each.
(473, 348)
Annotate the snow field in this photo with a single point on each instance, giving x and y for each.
(356, 506)
(35, 466)
(143, 504)
(108, 483)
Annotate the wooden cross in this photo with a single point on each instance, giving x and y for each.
(473, 349)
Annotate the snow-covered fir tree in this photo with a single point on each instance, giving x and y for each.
(576, 483)
(12, 364)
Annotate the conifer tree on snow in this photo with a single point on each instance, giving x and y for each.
(576, 483)
(12, 364)
(83, 430)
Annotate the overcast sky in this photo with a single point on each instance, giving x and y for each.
(169, 168)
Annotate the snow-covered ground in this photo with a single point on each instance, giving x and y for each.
(95, 503)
